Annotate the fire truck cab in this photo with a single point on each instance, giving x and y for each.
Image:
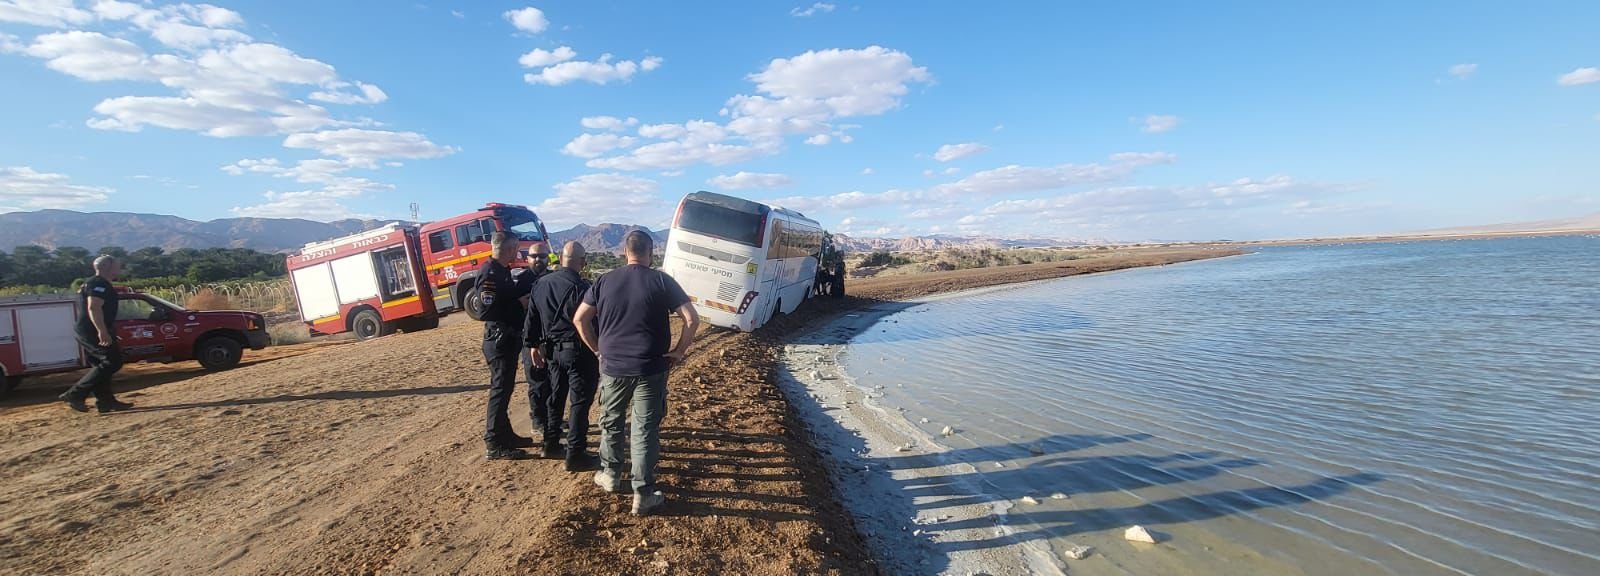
(454, 249)
(402, 277)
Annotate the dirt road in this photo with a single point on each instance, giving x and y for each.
(366, 458)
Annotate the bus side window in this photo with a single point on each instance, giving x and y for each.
(775, 243)
(440, 241)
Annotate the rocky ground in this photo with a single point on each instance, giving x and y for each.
(366, 458)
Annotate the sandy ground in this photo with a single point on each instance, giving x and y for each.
(366, 458)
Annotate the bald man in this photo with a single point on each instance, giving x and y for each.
(574, 369)
(97, 336)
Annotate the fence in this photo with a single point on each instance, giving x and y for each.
(273, 299)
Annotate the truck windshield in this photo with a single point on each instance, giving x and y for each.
(720, 222)
(523, 223)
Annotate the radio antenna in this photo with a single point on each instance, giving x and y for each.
(416, 211)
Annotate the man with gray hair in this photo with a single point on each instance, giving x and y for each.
(503, 297)
(97, 335)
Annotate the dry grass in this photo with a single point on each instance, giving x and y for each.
(289, 333)
(207, 299)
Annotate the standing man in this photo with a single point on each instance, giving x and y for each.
(538, 374)
(574, 369)
(97, 335)
(503, 297)
(624, 317)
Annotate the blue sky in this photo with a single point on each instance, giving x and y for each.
(1176, 120)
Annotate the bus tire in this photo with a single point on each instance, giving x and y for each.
(219, 352)
(836, 287)
(368, 325)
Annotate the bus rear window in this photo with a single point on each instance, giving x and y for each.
(720, 222)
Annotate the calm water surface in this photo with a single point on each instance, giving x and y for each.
(1428, 407)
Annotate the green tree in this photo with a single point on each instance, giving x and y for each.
(6, 267)
(208, 271)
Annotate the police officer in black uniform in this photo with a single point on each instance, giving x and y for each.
(574, 369)
(502, 295)
(97, 335)
(540, 389)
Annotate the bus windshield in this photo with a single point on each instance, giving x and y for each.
(523, 223)
(720, 222)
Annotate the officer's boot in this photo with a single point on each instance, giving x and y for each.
(552, 448)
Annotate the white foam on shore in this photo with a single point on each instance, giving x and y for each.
(861, 440)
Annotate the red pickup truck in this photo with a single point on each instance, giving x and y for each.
(36, 334)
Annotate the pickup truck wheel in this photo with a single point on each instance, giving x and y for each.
(9, 383)
(473, 303)
(219, 353)
(368, 325)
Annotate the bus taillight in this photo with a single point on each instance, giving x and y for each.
(749, 298)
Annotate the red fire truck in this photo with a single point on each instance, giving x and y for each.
(403, 277)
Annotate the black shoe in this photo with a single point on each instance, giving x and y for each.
(112, 406)
(582, 462)
(76, 404)
(515, 441)
(554, 451)
(504, 453)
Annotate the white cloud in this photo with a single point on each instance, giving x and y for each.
(539, 57)
(866, 171)
(95, 57)
(595, 145)
(25, 188)
(369, 94)
(949, 152)
(608, 123)
(601, 71)
(529, 19)
(803, 95)
(325, 202)
(1156, 124)
(133, 113)
(1580, 77)
(320, 205)
(1294, 196)
(749, 180)
(51, 13)
(459, 14)
(1015, 178)
(10, 44)
(598, 198)
(951, 171)
(1463, 71)
(368, 147)
(822, 7)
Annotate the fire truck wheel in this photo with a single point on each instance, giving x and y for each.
(368, 325)
(218, 353)
(474, 303)
(9, 383)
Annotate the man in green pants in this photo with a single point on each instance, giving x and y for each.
(631, 331)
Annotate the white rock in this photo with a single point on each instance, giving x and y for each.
(999, 465)
(1058, 496)
(903, 448)
(1079, 552)
(1029, 500)
(948, 431)
(1139, 534)
(815, 375)
(924, 420)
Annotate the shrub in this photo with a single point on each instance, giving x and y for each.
(206, 299)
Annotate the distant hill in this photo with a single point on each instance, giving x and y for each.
(1579, 224)
(604, 237)
(945, 241)
(95, 230)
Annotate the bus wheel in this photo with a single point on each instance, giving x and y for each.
(368, 325)
(776, 306)
(836, 287)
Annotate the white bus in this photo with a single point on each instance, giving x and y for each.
(742, 262)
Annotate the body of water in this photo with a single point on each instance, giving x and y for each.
(1396, 408)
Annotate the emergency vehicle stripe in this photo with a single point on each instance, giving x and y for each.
(325, 319)
(457, 260)
(400, 302)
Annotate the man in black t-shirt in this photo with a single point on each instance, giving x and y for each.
(624, 317)
(97, 335)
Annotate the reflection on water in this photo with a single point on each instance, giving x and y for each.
(1379, 408)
